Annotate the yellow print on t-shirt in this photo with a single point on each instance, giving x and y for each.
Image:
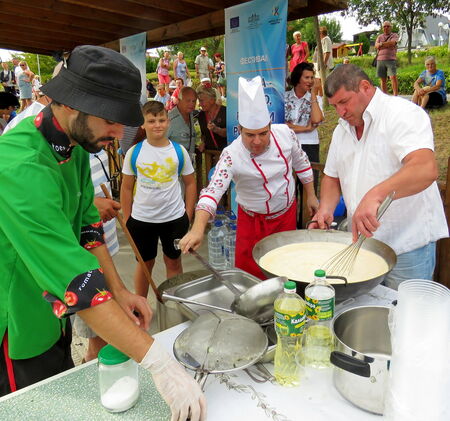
(158, 173)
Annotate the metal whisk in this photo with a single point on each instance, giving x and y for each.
(342, 263)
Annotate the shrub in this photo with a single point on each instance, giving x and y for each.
(407, 73)
(365, 41)
(406, 82)
(150, 64)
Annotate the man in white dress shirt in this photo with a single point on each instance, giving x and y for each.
(260, 162)
(383, 144)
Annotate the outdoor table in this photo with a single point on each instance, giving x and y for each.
(73, 395)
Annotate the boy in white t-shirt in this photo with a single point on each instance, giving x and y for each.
(157, 210)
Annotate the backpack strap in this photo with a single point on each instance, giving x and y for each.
(180, 156)
(134, 156)
(176, 146)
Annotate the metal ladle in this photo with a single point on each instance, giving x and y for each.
(216, 273)
(256, 302)
(170, 297)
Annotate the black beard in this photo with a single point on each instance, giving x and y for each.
(82, 134)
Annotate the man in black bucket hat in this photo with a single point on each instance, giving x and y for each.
(100, 82)
(54, 261)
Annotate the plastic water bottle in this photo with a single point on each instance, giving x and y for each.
(232, 219)
(230, 246)
(222, 216)
(289, 319)
(318, 341)
(216, 245)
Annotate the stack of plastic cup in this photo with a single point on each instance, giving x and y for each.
(419, 376)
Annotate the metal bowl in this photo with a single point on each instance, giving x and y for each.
(343, 292)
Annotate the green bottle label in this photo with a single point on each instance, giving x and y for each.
(319, 309)
(286, 325)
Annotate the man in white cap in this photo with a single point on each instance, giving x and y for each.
(260, 162)
(203, 64)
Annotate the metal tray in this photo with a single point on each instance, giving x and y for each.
(209, 290)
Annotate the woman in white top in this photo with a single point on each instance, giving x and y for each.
(303, 113)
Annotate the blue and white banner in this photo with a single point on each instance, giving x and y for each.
(134, 48)
(255, 44)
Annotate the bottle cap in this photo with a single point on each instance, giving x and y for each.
(218, 223)
(290, 285)
(319, 273)
(109, 355)
(232, 226)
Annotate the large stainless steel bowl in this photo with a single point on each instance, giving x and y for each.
(343, 292)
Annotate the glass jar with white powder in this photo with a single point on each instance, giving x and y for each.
(118, 379)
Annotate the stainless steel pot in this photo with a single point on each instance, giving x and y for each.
(362, 356)
(343, 292)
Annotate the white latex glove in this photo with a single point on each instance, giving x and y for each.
(181, 392)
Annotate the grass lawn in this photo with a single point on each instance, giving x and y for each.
(440, 120)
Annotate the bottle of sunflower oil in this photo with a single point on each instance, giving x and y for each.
(318, 340)
(289, 319)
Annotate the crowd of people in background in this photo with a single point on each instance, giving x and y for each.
(20, 88)
(303, 98)
(173, 74)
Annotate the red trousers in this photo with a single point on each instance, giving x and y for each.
(251, 229)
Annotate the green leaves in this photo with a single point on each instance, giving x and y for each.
(306, 27)
(46, 64)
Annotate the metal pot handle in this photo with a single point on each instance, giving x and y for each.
(341, 278)
(310, 222)
(350, 364)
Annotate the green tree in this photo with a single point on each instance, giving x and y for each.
(365, 42)
(191, 49)
(46, 64)
(150, 64)
(410, 14)
(306, 27)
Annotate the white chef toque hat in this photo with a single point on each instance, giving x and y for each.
(253, 112)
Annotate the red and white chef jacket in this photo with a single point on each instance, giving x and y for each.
(264, 183)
